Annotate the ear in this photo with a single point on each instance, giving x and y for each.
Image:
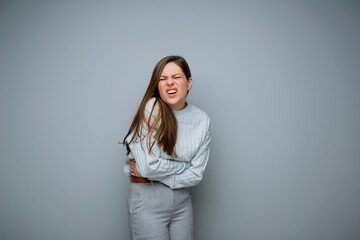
(189, 83)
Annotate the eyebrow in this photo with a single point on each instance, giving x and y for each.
(171, 75)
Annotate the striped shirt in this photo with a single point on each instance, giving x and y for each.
(192, 148)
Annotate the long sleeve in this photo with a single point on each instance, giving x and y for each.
(192, 148)
(194, 174)
(151, 165)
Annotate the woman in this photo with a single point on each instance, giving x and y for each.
(168, 150)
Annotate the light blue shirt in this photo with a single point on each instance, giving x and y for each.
(192, 148)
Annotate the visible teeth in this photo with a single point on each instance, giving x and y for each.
(171, 92)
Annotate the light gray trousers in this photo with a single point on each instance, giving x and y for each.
(156, 211)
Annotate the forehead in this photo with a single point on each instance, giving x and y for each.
(171, 68)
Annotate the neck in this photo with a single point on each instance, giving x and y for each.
(180, 108)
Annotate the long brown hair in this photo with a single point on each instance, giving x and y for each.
(165, 134)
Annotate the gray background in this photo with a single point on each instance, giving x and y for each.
(279, 79)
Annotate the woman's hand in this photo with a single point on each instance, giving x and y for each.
(133, 169)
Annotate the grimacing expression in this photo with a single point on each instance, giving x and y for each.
(173, 86)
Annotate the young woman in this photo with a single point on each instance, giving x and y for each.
(168, 146)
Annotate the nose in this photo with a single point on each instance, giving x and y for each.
(170, 81)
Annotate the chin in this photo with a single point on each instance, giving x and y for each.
(173, 101)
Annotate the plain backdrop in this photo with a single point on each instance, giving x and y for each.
(279, 80)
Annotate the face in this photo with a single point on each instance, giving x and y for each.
(173, 86)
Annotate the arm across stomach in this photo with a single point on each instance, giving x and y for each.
(192, 175)
(151, 165)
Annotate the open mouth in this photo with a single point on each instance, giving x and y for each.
(171, 91)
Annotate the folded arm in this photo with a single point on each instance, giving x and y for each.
(151, 165)
(192, 175)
